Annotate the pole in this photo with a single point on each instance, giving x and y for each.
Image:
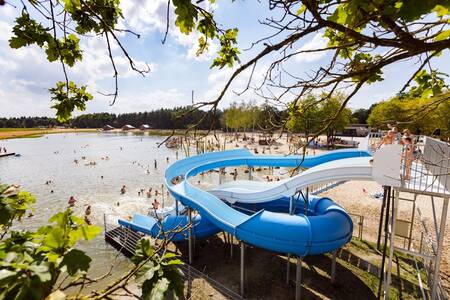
(249, 173)
(242, 267)
(288, 269)
(190, 235)
(176, 207)
(440, 238)
(411, 225)
(380, 225)
(298, 279)
(333, 266)
(386, 229)
(231, 246)
(387, 284)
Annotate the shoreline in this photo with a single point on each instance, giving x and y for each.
(17, 133)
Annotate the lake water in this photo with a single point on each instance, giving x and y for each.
(51, 158)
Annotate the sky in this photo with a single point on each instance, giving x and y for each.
(175, 70)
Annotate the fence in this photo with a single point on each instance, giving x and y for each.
(125, 240)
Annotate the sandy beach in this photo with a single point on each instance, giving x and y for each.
(13, 133)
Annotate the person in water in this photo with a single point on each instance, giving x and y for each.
(71, 201)
(155, 204)
(87, 214)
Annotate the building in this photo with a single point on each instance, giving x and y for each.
(355, 130)
(144, 127)
(107, 128)
(128, 127)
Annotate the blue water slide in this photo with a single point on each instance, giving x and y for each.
(324, 227)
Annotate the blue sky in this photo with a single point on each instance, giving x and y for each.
(175, 70)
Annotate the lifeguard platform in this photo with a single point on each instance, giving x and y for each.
(408, 173)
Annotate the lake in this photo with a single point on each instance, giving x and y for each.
(121, 158)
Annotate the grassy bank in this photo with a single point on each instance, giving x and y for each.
(14, 133)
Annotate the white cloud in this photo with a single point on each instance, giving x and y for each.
(26, 74)
(145, 99)
(146, 17)
(317, 42)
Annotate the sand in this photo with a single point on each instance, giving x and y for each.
(12, 133)
(355, 197)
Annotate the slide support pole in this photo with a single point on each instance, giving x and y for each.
(380, 225)
(176, 207)
(190, 236)
(231, 246)
(288, 268)
(242, 267)
(333, 266)
(387, 283)
(298, 279)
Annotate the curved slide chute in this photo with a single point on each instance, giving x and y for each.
(259, 192)
(324, 228)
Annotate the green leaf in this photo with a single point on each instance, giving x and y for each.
(146, 272)
(301, 10)
(441, 11)
(6, 276)
(76, 260)
(90, 231)
(443, 35)
(186, 15)
(159, 289)
(42, 271)
(54, 238)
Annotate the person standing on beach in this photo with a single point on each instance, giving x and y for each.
(123, 190)
(235, 174)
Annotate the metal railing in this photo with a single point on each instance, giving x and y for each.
(359, 221)
(125, 240)
(426, 167)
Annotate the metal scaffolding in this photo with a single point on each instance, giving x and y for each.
(425, 172)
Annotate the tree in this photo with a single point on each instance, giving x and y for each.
(363, 38)
(311, 114)
(420, 115)
(360, 116)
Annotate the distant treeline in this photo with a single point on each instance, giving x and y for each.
(258, 117)
(174, 118)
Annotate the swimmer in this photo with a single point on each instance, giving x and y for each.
(155, 204)
(71, 201)
(87, 213)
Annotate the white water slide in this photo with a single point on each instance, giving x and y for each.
(245, 191)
